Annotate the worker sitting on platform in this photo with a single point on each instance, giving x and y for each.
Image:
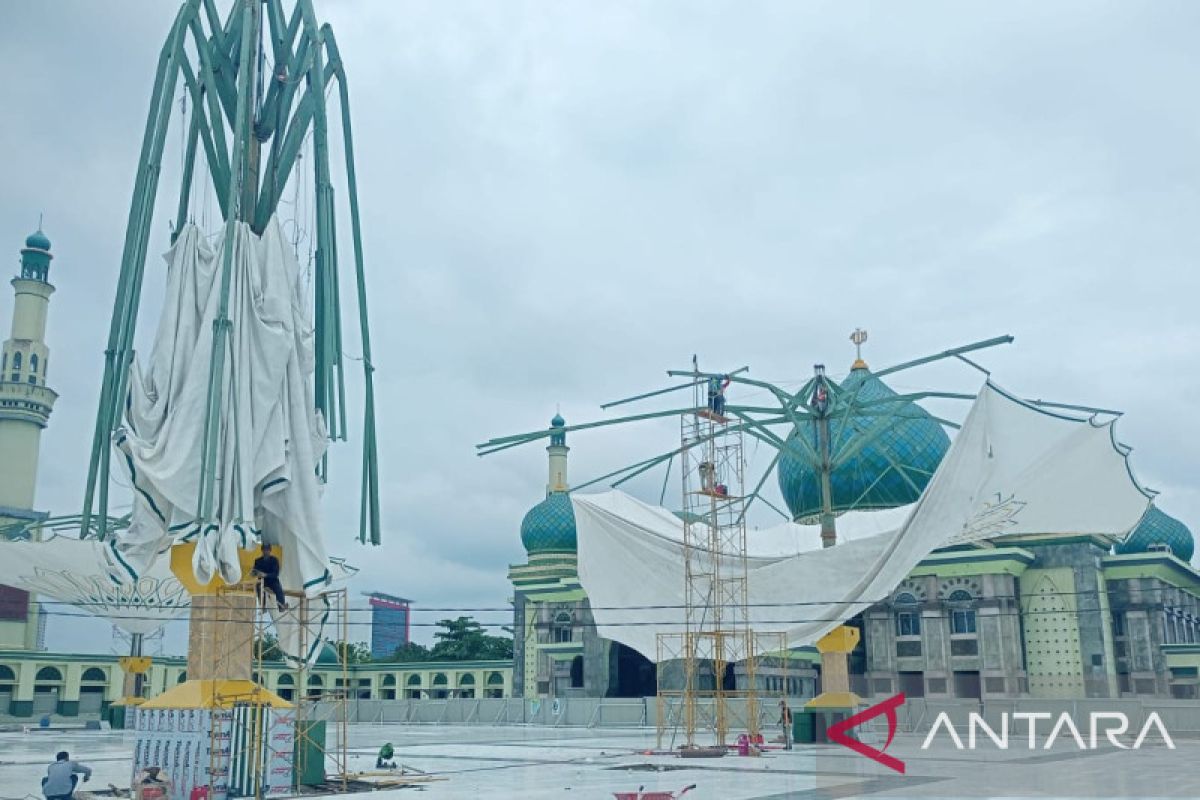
(266, 568)
(384, 761)
(62, 776)
(716, 394)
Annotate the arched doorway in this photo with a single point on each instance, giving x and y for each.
(47, 688)
(92, 686)
(8, 686)
(495, 685)
(413, 687)
(631, 673)
(466, 685)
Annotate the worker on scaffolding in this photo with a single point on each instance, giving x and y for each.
(716, 394)
(266, 569)
(384, 760)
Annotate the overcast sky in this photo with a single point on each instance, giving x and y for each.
(562, 200)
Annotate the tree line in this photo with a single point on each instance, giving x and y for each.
(460, 639)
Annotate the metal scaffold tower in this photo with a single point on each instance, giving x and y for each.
(717, 636)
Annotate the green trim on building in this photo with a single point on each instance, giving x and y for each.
(1163, 566)
(988, 561)
(566, 596)
(1182, 656)
(1099, 539)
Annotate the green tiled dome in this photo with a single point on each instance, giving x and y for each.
(549, 527)
(892, 470)
(37, 240)
(1159, 528)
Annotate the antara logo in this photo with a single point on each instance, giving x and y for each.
(837, 732)
(1114, 724)
(1111, 723)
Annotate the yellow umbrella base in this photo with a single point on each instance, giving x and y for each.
(216, 694)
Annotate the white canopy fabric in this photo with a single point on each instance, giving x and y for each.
(81, 572)
(1012, 469)
(86, 574)
(271, 437)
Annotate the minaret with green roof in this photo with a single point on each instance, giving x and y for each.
(25, 405)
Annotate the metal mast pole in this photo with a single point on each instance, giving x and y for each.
(820, 405)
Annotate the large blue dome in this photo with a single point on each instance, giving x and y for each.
(889, 471)
(1159, 528)
(549, 527)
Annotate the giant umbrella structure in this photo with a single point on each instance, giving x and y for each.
(854, 445)
(256, 82)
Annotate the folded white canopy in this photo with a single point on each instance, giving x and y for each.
(271, 437)
(1012, 469)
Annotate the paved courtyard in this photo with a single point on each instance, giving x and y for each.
(539, 762)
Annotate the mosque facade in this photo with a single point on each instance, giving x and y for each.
(1051, 616)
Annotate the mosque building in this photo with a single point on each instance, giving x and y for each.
(1053, 616)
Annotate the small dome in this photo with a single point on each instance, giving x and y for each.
(1159, 528)
(327, 655)
(558, 421)
(549, 527)
(889, 471)
(37, 241)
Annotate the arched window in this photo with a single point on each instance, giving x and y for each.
(48, 675)
(94, 674)
(315, 687)
(962, 612)
(466, 685)
(6, 674)
(413, 687)
(182, 677)
(17, 362)
(284, 687)
(33, 363)
(561, 629)
(577, 672)
(495, 685)
(439, 685)
(908, 615)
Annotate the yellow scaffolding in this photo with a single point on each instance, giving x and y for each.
(717, 634)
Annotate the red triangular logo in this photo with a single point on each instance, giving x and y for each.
(837, 732)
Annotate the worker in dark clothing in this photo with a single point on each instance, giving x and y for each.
(266, 568)
(384, 760)
(785, 722)
(716, 394)
(62, 777)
